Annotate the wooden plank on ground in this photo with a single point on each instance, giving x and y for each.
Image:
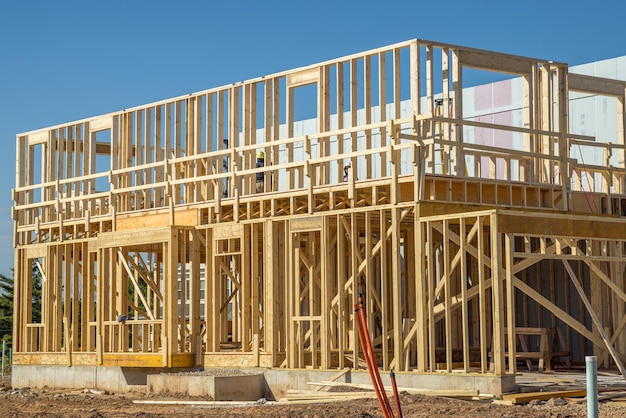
(518, 398)
(335, 377)
(617, 396)
(411, 391)
(307, 395)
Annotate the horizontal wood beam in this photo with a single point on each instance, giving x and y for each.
(596, 85)
(494, 62)
(128, 238)
(562, 226)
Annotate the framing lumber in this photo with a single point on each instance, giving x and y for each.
(161, 241)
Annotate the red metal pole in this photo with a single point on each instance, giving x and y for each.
(370, 348)
(379, 395)
(396, 398)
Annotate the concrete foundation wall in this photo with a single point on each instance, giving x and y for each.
(261, 383)
(279, 381)
(113, 379)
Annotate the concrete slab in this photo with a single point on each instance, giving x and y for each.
(113, 379)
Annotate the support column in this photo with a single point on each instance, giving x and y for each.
(497, 289)
(270, 292)
(170, 309)
(420, 293)
(510, 299)
(397, 292)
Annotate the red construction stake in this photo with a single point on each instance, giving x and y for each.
(396, 398)
(379, 395)
(370, 349)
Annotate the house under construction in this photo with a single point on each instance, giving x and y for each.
(164, 243)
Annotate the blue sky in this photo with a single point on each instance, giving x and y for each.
(66, 60)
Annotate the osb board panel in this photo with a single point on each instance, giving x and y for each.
(236, 360)
(133, 360)
(586, 202)
(188, 217)
(181, 360)
(62, 359)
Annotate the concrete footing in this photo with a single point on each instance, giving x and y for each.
(249, 384)
(249, 387)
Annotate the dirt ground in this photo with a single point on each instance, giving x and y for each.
(25, 402)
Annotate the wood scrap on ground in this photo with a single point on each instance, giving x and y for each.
(300, 400)
(301, 395)
(603, 396)
(429, 392)
(207, 403)
(519, 398)
(334, 377)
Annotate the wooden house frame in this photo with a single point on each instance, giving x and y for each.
(156, 249)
